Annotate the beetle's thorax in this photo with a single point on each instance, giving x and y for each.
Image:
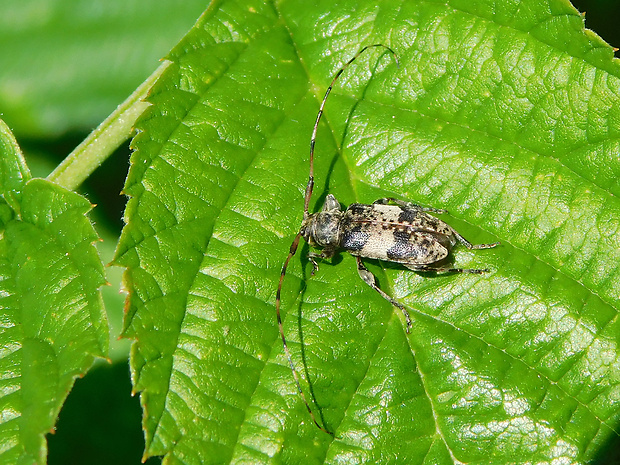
(324, 229)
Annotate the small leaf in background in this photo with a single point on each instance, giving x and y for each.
(52, 317)
(504, 114)
(67, 64)
(13, 170)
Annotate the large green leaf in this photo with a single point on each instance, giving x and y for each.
(504, 113)
(52, 323)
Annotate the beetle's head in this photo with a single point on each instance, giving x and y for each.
(323, 229)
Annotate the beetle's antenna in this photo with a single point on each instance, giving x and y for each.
(295, 244)
(291, 252)
(320, 113)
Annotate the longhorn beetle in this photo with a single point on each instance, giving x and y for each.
(389, 229)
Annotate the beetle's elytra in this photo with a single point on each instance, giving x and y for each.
(389, 229)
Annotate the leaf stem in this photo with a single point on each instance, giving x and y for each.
(106, 138)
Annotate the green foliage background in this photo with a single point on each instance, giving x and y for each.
(506, 115)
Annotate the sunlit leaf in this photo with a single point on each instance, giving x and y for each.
(503, 113)
(52, 323)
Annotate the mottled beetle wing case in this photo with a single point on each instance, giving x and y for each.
(394, 233)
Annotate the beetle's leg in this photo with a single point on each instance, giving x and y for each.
(446, 270)
(471, 246)
(404, 203)
(325, 253)
(370, 279)
(315, 266)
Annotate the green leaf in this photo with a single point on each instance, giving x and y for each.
(13, 170)
(503, 113)
(68, 63)
(51, 310)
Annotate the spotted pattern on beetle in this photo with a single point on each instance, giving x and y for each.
(396, 234)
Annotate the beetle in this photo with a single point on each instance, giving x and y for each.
(389, 229)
